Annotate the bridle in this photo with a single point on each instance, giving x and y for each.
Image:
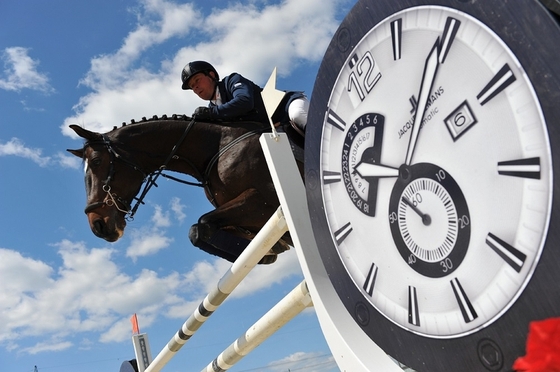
(112, 199)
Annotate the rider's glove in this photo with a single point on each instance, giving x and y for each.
(203, 113)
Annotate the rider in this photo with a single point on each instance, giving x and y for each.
(237, 98)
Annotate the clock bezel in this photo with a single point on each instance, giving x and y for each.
(538, 57)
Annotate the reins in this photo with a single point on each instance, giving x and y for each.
(152, 177)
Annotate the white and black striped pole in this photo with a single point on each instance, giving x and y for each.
(270, 233)
(284, 311)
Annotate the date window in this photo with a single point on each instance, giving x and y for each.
(460, 120)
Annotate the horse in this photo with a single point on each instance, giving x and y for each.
(225, 158)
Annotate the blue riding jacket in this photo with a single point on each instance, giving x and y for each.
(241, 100)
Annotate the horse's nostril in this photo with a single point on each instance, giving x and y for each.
(99, 226)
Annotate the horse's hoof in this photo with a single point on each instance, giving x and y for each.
(201, 232)
(193, 235)
(268, 259)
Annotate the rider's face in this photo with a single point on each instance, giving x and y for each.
(203, 86)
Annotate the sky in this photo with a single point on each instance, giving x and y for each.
(66, 296)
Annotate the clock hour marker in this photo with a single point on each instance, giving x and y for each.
(467, 309)
(396, 36)
(449, 32)
(331, 177)
(525, 168)
(511, 255)
(335, 120)
(370, 279)
(499, 82)
(353, 61)
(342, 233)
(413, 316)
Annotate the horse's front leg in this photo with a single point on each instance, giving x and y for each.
(227, 230)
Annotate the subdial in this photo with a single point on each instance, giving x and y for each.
(362, 145)
(429, 219)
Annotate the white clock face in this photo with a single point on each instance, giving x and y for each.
(436, 172)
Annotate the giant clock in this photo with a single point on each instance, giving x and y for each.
(430, 170)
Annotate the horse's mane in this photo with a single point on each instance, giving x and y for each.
(248, 125)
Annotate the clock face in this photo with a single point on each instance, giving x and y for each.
(435, 172)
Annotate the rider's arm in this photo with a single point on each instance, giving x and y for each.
(238, 100)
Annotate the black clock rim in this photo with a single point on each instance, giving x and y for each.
(521, 24)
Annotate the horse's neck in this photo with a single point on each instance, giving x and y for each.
(150, 144)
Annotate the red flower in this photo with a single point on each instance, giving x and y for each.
(543, 347)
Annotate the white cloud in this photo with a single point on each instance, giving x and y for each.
(20, 276)
(161, 218)
(304, 361)
(149, 241)
(119, 331)
(158, 21)
(47, 346)
(264, 276)
(89, 292)
(145, 243)
(67, 161)
(177, 209)
(16, 147)
(245, 38)
(20, 72)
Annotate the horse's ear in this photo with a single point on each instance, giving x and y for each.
(84, 133)
(79, 153)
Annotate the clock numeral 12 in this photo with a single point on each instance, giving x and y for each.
(363, 77)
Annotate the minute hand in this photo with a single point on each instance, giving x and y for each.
(430, 70)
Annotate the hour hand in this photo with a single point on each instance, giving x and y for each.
(364, 169)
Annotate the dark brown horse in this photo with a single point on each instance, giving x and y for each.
(226, 158)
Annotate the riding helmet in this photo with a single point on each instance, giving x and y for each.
(193, 68)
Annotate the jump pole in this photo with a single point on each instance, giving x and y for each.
(269, 234)
(284, 311)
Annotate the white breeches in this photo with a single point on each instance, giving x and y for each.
(297, 111)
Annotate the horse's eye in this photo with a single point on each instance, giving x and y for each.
(95, 162)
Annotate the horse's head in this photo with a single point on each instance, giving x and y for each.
(112, 181)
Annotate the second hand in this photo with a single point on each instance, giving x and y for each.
(426, 219)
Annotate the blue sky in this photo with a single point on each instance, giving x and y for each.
(66, 296)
